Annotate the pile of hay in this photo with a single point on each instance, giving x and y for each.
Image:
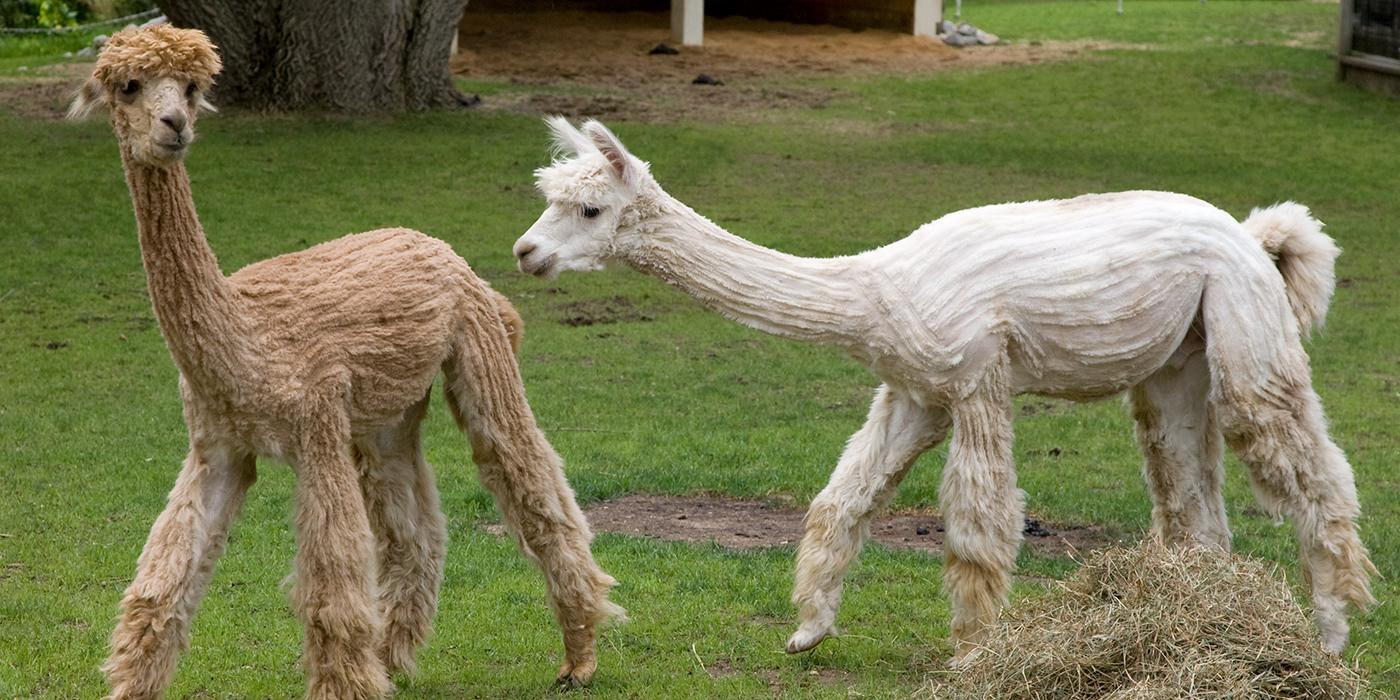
(1154, 623)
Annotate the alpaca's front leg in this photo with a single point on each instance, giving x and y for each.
(335, 591)
(984, 512)
(876, 459)
(174, 570)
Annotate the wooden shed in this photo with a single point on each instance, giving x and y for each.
(919, 17)
(1369, 50)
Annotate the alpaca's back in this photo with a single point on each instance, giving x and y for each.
(383, 306)
(1111, 282)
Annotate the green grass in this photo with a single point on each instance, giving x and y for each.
(33, 50)
(1209, 101)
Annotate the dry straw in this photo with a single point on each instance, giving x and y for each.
(1151, 623)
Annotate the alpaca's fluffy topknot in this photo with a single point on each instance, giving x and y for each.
(159, 50)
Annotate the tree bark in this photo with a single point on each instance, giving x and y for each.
(342, 55)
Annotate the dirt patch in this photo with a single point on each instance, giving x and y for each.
(1277, 83)
(44, 92)
(830, 676)
(603, 58)
(721, 668)
(612, 48)
(661, 103)
(773, 679)
(741, 524)
(592, 312)
(1035, 405)
(597, 64)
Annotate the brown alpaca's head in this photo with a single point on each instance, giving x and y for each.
(153, 81)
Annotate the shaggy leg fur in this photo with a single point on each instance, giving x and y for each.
(335, 587)
(1183, 459)
(876, 460)
(1279, 431)
(526, 476)
(174, 570)
(984, 512)
(411, 535)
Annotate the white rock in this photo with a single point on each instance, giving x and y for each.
(986, 38)
(959, 40)
(154, 21)
(966, 29)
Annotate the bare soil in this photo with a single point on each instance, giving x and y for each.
(592, 312)
(744, 524)
(598, 64)
(43, 92)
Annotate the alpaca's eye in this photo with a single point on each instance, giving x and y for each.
(590, 212)
(131, 87)
(189, 91)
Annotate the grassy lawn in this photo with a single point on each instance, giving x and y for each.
(1233, 102)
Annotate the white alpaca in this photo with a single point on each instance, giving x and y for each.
(1160, 294)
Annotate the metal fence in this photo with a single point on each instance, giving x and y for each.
(64, 30)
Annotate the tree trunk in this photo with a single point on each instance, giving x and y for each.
(343, 55)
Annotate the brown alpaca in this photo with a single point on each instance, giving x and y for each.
(323, 359)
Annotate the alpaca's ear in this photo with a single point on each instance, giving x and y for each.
(568, 141)
(623, 164)
(86, 99)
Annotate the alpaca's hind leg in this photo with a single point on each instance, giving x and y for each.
(985, 515)
(1277, 428)
(526, 476)
(538, 508)
(404, 513)
(334, 594)
(174, 571)
(1183, 459)
(876, 459)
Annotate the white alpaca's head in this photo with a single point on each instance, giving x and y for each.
(153, 81)
(590, 188)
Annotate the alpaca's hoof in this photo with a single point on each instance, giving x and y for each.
(1332, 624)
(398, 658)
(578, 675)
(808, 636)
(1334, 642)
(964, 657)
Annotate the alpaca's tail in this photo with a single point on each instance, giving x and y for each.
(515, 326)
(1306, 258)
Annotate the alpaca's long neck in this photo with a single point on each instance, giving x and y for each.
(815, 299)
(199, 312)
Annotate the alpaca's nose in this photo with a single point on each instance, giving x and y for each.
(523, 249)
(175, 120)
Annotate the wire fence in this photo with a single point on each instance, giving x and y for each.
(1376, 27)
(81, 27)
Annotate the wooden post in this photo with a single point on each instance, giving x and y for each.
(1344, 39)
(688, 22)
(927, 15)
